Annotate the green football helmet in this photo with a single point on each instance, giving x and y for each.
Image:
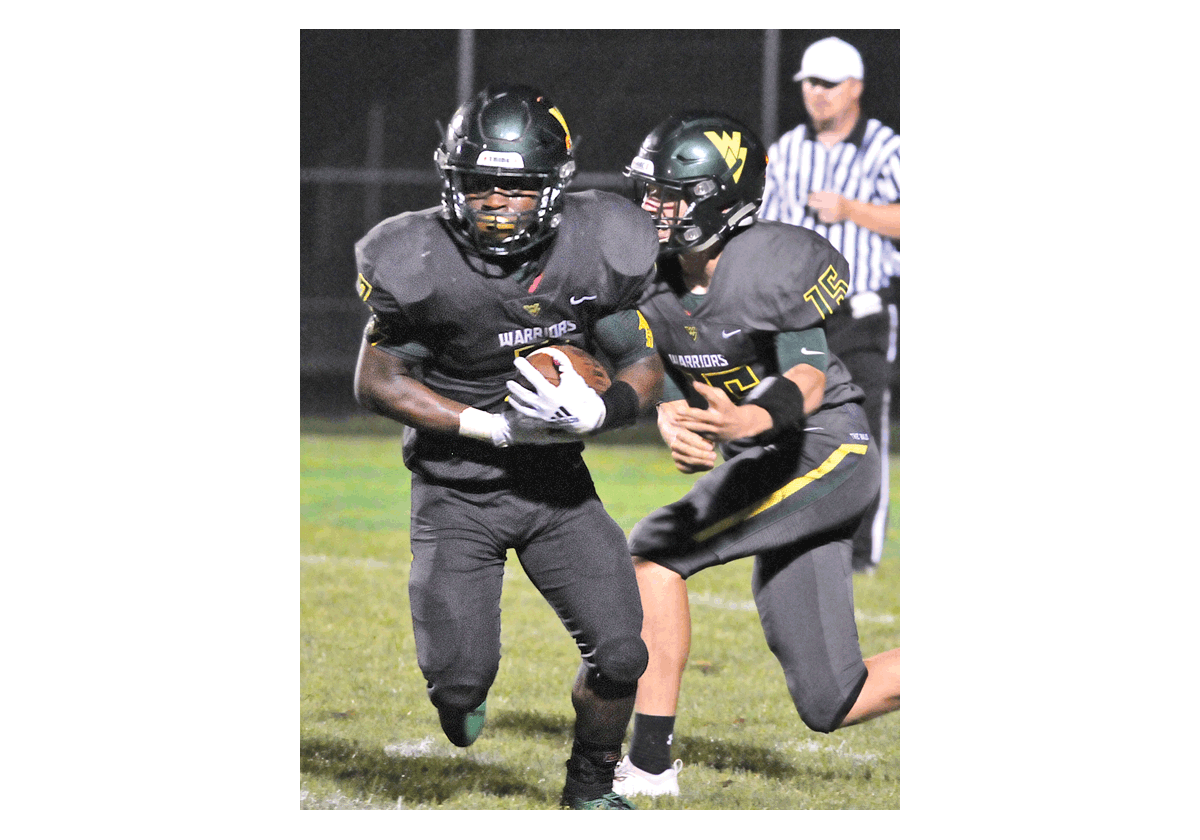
(709, 160)
(512, 137)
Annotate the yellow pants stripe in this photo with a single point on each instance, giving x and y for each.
(783, 492)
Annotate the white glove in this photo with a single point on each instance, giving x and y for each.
(508, 428)
(571, 404)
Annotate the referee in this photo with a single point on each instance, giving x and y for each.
(839, 174)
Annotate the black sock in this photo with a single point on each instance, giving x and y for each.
(650, 746)
(590, 768)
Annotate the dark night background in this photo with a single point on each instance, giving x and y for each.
(397, 86)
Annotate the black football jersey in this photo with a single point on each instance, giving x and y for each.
(771, 278)
(460, 322)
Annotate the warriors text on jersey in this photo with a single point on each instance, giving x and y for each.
(460, 321)
(771, 278)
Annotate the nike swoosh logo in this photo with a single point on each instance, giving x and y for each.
(727, 333)
(575, 301)
(808, 352)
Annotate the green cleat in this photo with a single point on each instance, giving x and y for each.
(462, 728)
(608, 802)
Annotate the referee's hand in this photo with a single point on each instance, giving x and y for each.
(830, 206)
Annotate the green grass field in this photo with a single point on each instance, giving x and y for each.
(369, 738)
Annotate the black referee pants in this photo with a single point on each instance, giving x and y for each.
(864, 346)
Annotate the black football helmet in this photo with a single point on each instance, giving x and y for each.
(509, 135)
(711, 161)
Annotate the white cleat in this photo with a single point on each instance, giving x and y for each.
(630, 780)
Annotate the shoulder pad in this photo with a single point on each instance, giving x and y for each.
(797, 277)
(625, 233)
(393, 257)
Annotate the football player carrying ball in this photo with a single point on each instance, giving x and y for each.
(459, 294)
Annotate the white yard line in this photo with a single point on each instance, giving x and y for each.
(696, 599)
(413, 749)
(838, 750)
(717, 602)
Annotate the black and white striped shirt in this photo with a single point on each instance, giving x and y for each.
(865, 167)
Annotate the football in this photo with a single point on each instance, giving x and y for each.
(585, 364)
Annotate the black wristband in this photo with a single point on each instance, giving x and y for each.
(783, 400)
(620, 405)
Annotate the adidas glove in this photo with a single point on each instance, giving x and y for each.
(508, 428)
(570, 405)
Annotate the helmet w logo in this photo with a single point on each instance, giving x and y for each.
(731, 148)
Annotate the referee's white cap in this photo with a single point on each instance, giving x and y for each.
(832, 60)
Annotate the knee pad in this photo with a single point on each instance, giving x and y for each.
(619, 661)
(457, 696)
(825, 713)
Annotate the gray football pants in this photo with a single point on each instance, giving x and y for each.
(794, 508)
(572, 551)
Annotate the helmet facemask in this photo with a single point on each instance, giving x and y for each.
(701, 224)
(711, 162)
(512, 138)
(500, 232)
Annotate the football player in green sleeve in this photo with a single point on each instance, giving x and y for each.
(736, 313)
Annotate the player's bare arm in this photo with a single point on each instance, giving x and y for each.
(811, 382)
(724, 421)
(384, 384)
(645, 376)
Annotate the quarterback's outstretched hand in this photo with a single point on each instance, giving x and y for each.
(570, 405)
(690, 451)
